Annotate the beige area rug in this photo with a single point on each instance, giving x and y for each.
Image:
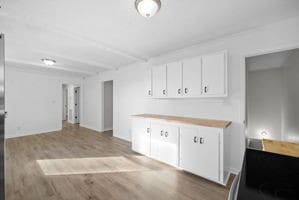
(89, 165)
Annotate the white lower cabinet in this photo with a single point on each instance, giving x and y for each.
(165, 143)
(197, 149)
(199, 152)
(141, 136)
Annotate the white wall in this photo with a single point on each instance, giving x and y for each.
(92, 102)
(265, 97)
(290, 131)
(108, 105)
(33, 102)
(129, 83)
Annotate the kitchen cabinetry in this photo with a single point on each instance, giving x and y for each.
(205, 142)
(214, 74)
(164, 143)
(159, 81)
(199, 146)
(174, 79)
(192, 77)
(141, 136)
(202, 76)
(148, 83)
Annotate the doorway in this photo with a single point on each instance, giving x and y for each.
(77, 105)
(64, 102)
(272, 96)
(108, 105)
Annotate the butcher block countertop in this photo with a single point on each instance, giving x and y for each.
(280, 147)
(187, 120)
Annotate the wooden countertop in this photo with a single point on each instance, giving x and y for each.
(280, 147)
(186, 120)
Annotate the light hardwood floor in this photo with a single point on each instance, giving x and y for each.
(78, 163)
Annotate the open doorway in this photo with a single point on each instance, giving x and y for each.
(108, 106)
(70, 104)
(64, 103)
(272, 96)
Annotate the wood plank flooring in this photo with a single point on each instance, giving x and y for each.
(130, 177)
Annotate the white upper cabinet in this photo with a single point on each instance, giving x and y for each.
(159, 81)
(192, 77)
(174, 79)
(148, 83)
(202, 76)
(214, 74)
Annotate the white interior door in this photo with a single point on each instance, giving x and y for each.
(159, 81)
(214, 74)
(174, 79)
(77, 105)
(192, 77)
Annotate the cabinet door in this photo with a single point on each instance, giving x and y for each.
(164, 143)
(174, 79)
(148, 83)
(192, 77)
(200, 151)
(159, 81)
(169, 151)
(141, 136)
(214, 72)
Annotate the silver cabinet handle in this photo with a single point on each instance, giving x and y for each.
(206, 89)
(195, 139)
(164, 92)
(148, 130)
(162, 133)
(150, 92)
(201, 140)
(179, 91)
(166, 134)
(186, 90)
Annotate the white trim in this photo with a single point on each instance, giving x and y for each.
(107, 129)
(234, 171)
(90, 127)
(8, 136)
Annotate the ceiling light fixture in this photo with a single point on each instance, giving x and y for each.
(147, 8)
(48, 62)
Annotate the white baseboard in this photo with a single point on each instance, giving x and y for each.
(8, 136)
(120, 137)
(91, 127)
(108, 129)
(234, 171)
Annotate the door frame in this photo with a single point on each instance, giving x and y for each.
(77, 104)
(243, 85)
(103, 105)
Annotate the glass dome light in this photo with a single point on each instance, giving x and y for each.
(147, 8)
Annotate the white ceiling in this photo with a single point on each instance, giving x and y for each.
(91, 36)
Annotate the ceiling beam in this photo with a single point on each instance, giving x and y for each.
(77, 36)
(55, 67)
(67, 57)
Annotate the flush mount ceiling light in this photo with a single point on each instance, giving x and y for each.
(147, 8)
(48, 62)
